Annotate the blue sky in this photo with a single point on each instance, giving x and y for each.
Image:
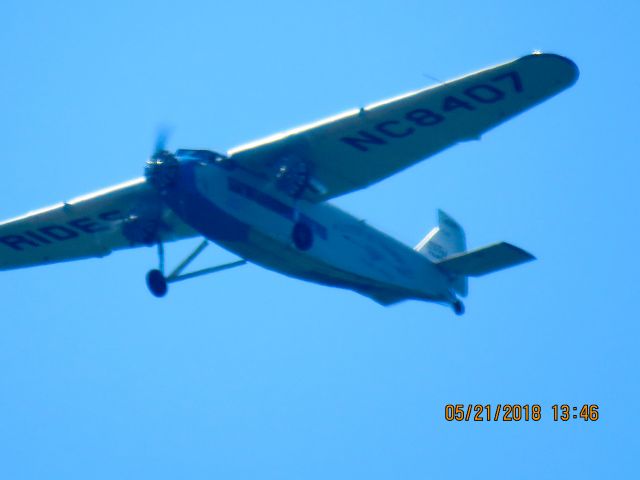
(249, 374)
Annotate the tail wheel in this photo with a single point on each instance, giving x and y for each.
(458, 307)
(302, 236)
(157, 283)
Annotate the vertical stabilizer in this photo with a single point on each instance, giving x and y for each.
(446, 239)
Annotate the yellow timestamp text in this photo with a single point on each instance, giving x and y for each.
(515, 412)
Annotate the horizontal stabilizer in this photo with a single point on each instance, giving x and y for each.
(485, 260)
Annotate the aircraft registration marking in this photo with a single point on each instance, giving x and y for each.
(412, 121)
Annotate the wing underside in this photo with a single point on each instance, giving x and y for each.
(360, 147)
(127, 215)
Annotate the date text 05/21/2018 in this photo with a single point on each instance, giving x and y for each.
(514, 412)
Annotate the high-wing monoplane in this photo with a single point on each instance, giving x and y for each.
(267, 201)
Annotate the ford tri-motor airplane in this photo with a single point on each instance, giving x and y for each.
(267, 201)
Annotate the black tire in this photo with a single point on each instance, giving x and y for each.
(156, 283)
(302, 236)
(458, 307)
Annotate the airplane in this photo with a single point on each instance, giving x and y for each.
(267, 201)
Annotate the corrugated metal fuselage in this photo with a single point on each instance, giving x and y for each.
(254, 220)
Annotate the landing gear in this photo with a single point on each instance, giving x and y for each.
(158, 283)
(458, 307)
(302, 236)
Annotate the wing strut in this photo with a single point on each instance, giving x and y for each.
(158, 283)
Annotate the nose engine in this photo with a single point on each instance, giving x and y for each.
(161, 170)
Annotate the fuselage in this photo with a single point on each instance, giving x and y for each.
(254, 219)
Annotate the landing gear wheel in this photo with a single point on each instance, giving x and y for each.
(458, 307)
(302, 236)
(156, 283)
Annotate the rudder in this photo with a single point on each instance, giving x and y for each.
(445, 240)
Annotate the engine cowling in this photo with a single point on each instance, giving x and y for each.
(141, 230)
(292, 176)
(161, 170)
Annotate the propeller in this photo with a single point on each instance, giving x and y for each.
(160, 144)
(161, 169)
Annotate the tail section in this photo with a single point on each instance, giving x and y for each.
(445, 245)
(485, 260)
(445, 240)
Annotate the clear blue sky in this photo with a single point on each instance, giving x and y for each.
(249, 374)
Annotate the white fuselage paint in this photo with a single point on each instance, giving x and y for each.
(351, 255)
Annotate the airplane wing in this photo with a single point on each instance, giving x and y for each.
(127, 215)
(360, 147)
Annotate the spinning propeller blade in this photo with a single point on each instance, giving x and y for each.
(161, 141)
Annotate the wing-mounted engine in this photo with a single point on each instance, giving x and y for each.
(292, 175)
(143, 228)
(288, 166)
